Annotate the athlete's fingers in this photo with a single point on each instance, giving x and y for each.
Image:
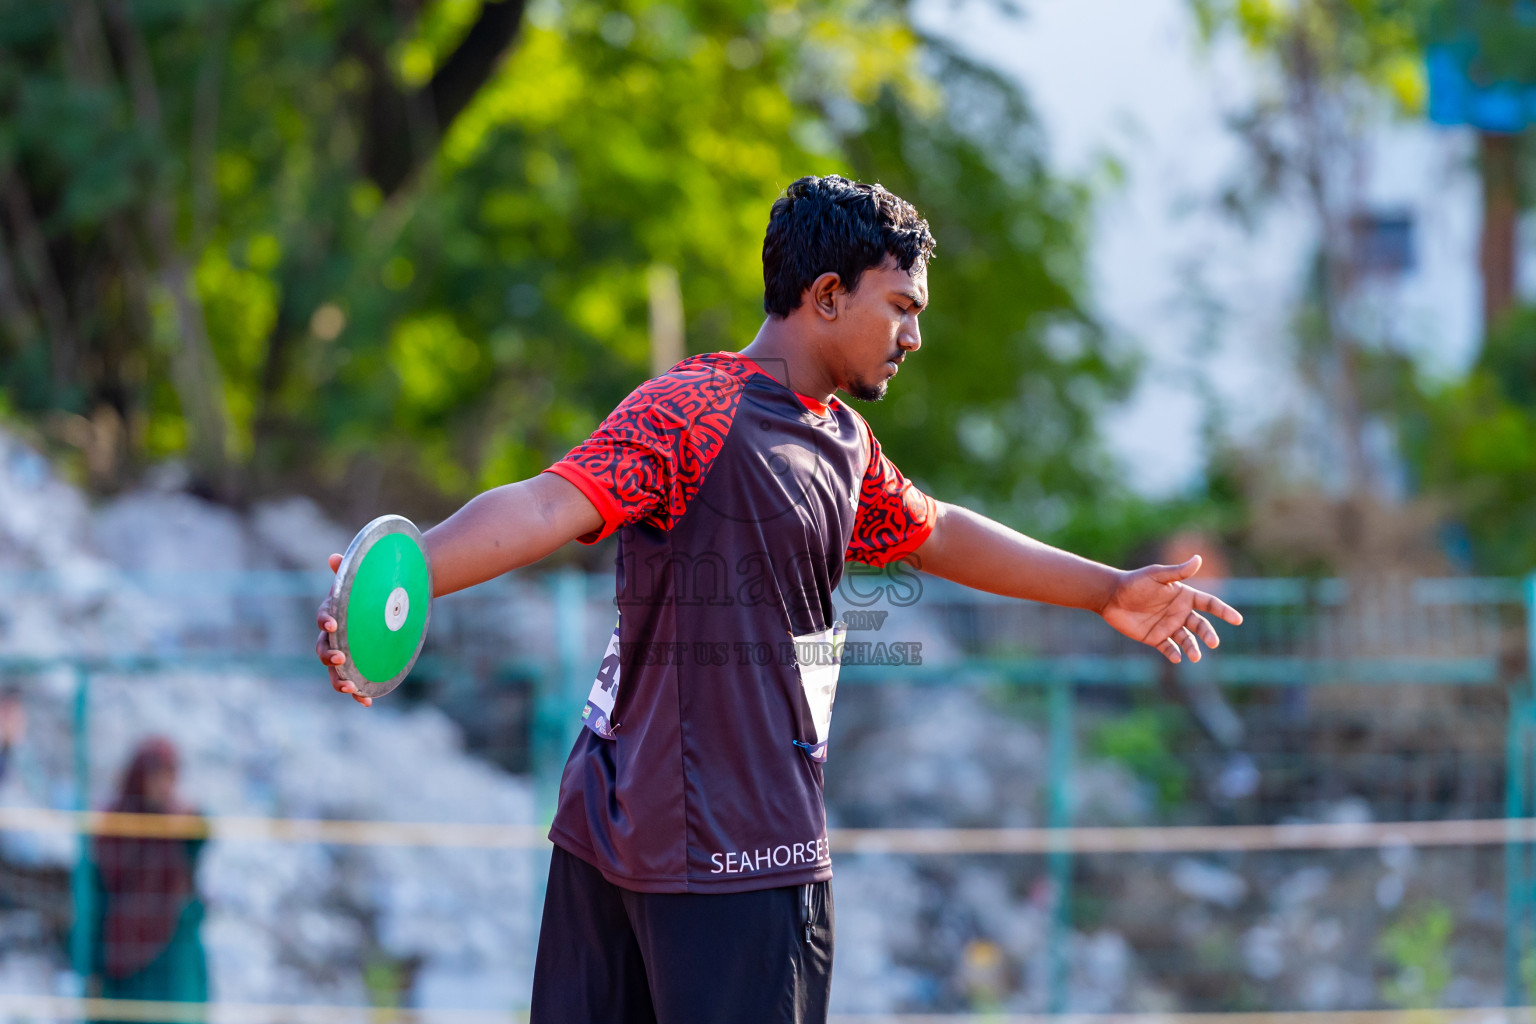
(1187, 641)
(1200, 626)
(347, 687)
(1175, 573)
(1170, 650)
(1212, 605)
(324, 652)
(330, 659)
(328, 625)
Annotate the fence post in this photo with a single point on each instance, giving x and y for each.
(1527, 852)
(1519, 874)
(82, 881)
(555, 718)
(554, 710)
(1060, 860)
(1514, 852)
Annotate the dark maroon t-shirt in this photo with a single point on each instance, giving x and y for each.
(737, 503)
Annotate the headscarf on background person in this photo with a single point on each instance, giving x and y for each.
(148, 882)
(13, 725)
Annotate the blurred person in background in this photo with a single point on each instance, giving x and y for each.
(146, 939)
(13, 726)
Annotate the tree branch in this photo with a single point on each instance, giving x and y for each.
(15, 318)
(194, 367)
(32, 247)
(205, 125)
(402, 130)
(474, 60)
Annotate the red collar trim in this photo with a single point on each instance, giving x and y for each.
(817, 406)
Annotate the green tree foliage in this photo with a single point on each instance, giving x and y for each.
(396, 253)
(1335, 42)
(1147, 741)
(1501, 34)
(999, 407)
(1472, 443)
(1380, 44)
(1418, 947)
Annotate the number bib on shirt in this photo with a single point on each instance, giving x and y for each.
(819, 656)
(598, 714)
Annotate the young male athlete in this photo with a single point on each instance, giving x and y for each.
(690, 877)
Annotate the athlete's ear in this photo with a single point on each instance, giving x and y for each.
(823, 294)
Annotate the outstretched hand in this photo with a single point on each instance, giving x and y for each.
(326, 620)
(1156, 607)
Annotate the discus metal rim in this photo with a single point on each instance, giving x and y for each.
(341, 594)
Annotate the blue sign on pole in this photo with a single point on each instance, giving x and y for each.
(1455, 98)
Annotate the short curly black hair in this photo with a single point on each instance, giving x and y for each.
(833, 224)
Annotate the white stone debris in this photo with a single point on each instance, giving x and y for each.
(287, 923)
(1201, 880)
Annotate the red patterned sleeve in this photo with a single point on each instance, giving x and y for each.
(648, 458)
(894, 517)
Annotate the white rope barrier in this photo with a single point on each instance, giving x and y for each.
(274, 830)
(1495, 1015)
(1187, 839)
(73, 1008)
(918, 841)
(36, 1008)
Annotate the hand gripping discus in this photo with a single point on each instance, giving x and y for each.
(381, 600)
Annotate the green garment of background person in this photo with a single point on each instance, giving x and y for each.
(146, 941)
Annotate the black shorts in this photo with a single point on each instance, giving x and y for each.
(611, 956)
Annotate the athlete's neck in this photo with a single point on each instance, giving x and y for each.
(791, 357)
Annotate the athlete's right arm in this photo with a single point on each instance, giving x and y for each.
(500, 530)
(507, 528)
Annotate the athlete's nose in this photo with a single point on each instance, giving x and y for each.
(911, 338)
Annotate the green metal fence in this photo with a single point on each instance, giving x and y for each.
(1467, 634)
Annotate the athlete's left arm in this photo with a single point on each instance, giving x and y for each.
(1152, 605)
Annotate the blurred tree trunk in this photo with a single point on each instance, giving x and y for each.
(1328, 161)
(665, 295)
(47, 292)
(403, 129)
(1500, 159)
(195, 371)
(107, 295)
(15, 317)
(399, 133)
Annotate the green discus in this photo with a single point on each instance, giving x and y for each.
(382, 600)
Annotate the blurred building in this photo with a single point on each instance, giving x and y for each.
(1205, 283)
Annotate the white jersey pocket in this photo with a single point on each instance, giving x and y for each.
(819, 656)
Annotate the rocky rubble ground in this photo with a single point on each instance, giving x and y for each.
(1154, 933)
(287, 923)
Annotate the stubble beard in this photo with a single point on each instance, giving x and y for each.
(867, 392)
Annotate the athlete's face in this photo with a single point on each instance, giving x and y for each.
(877, 327)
